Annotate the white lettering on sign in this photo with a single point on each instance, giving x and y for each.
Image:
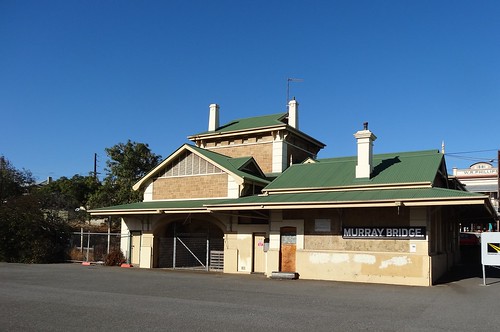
(384, 232)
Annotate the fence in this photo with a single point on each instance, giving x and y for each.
(191, 251)
(92, 247)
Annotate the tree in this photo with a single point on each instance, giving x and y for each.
(128, 162)
(13, 182)
(29, 233)
(69, 194)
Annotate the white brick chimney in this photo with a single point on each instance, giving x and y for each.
(365, 140)
(293, 113)
(213, 119)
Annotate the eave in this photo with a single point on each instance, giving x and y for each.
(216, 134)
(105, 212)
(220, 134)
(348, 204)
(364, 187)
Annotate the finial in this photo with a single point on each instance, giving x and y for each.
(365, 125)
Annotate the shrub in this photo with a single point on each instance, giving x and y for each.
(114, 258)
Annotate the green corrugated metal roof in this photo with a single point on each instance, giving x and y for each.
(327, 197)
(161, 205)
(249, 123)
(354, 196)
(394, 168)
(239, 162)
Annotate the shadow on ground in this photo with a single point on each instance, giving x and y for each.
(469, 267)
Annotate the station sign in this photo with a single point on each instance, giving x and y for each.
(385, 233)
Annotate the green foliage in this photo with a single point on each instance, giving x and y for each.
(31, 230)
(128, 162)
(30, 235)
(13, 182)
(69, 194)
(114, 258)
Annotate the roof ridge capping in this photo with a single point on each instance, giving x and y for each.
(260, 121)
(378, 156)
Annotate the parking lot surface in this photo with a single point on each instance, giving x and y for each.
(72, 297)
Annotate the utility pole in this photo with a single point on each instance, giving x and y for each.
(498, 190)
(2, 167)
(95, 166)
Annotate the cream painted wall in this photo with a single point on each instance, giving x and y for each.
(279, 161)
(390, 268)
(244, 245)
(272, 261)
(418, 217)
(146, 251)
(409, 265)
(124, 240)
(233, 189)
(128, 224)
(148, 192)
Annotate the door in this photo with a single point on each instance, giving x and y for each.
(135, 250)
(258, 253)
(288, 249)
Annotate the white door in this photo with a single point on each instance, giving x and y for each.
(258, 253)
(135, 249)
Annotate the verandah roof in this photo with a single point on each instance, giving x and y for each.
(331, 199)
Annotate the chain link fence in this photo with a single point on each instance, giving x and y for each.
(92, 247)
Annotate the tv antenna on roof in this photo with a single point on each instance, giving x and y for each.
(288, 80)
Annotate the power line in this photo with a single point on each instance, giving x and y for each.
(462, 156)
(464, 152)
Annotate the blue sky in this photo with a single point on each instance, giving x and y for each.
(77, 77)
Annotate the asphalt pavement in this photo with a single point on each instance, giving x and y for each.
(72, 297)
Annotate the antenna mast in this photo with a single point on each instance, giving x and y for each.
(288, 80)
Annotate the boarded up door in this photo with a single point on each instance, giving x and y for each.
(135, 248)
(258, 253)
(288, 249)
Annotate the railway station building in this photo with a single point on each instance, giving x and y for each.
(252, 196)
